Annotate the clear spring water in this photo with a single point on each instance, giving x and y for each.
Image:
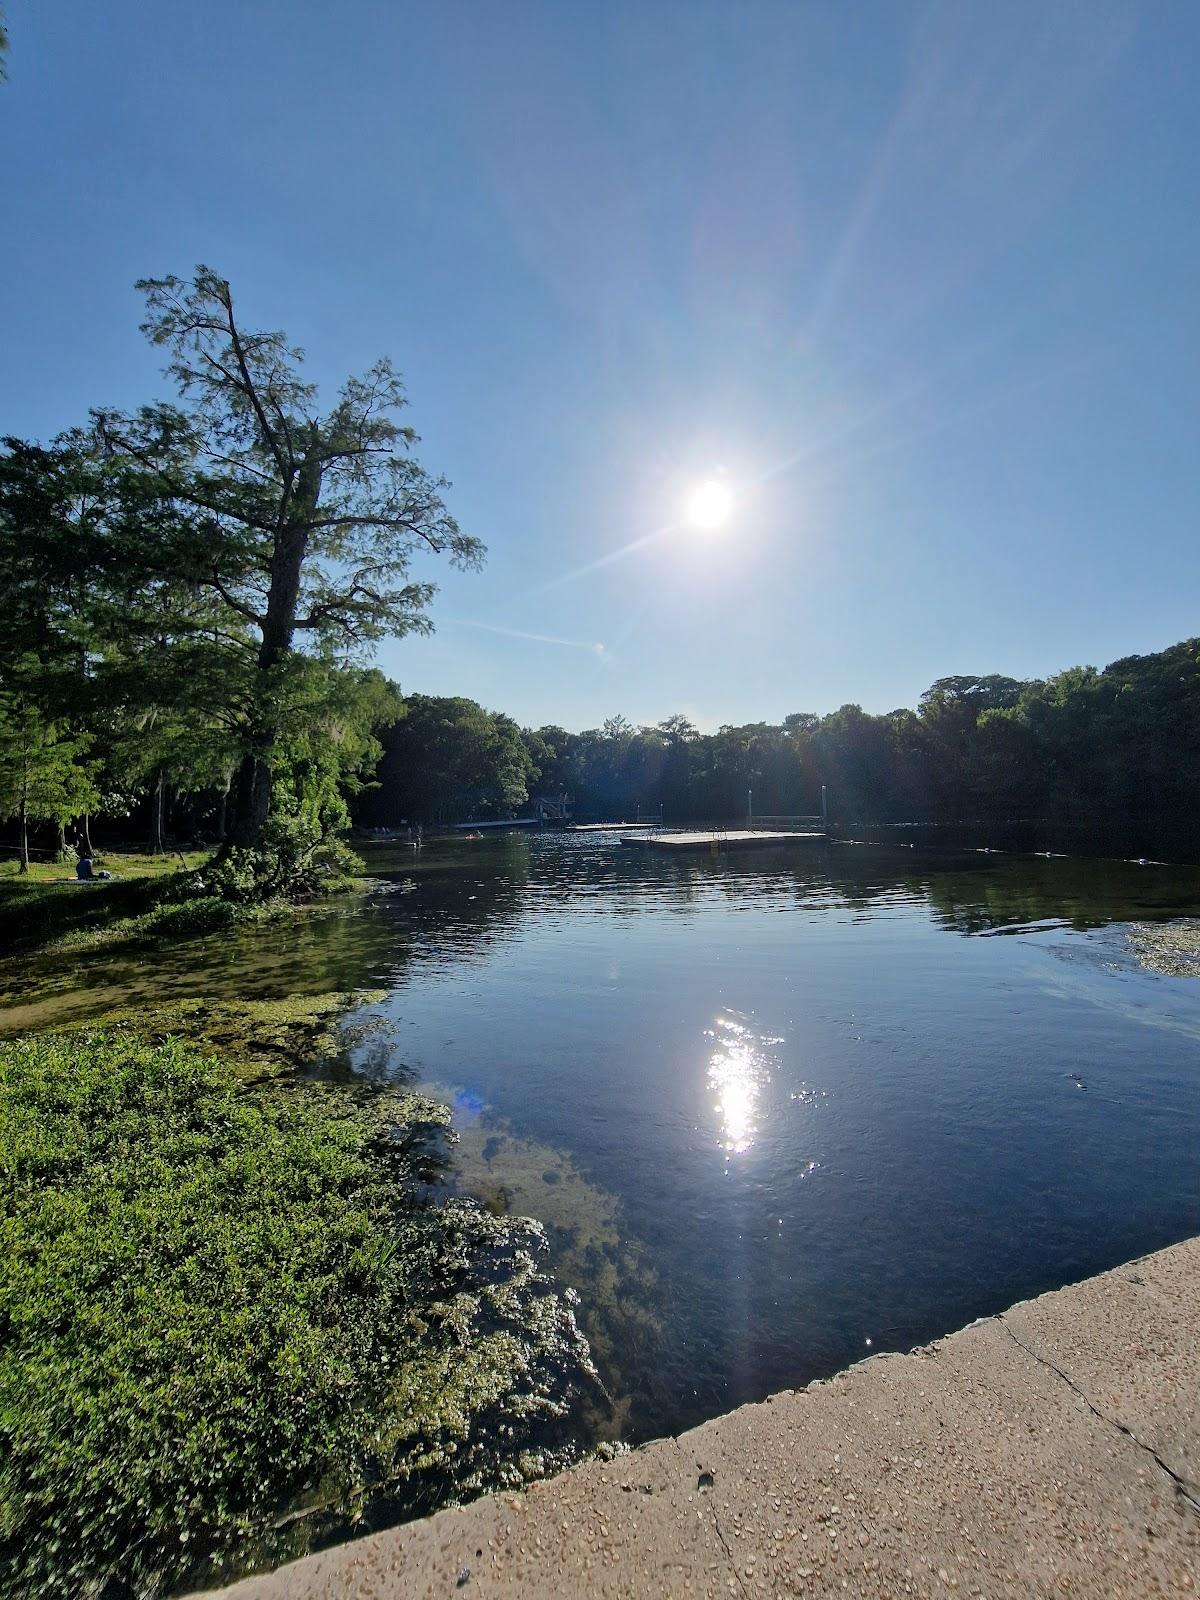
(780, 1109)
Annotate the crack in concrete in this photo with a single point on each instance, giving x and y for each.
(724, 1543)
(1185, 1490)
(686, 1455)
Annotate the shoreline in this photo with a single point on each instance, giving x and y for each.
(1052, 1449)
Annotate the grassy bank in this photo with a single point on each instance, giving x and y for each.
(48, 908)
(234, 1315)
(122, 864)
(240, 1310)
(152, 900)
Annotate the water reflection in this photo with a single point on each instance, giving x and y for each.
(463, 899)
(738, 1071)
(601, 1020)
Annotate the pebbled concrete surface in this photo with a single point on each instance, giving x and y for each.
(1051, 1451)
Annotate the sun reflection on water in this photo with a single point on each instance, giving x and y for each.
(737, 1073)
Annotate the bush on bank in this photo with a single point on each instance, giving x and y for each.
(219, 1308)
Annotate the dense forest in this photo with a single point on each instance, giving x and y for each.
(1112, 753)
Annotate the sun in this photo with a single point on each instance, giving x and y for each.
(709, 505)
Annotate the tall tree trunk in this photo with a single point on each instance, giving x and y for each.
(24, 838)
(62, 841)
(157, 846)
(222, 805)
(251, 796)
(85, 829)
(252, 783)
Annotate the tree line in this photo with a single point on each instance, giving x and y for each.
(1117, 749)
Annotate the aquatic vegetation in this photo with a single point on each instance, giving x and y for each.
(620, 1294)
(257, 1038)
(232, 1315)
(1169, 948)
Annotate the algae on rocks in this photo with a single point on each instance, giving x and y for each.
(257, 1038)
(1171, 949)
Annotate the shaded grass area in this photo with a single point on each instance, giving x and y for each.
(147, 897)
(234, 1315)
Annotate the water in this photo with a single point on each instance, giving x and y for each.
(780, 1110)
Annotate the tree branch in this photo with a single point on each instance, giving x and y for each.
(251, 392)
(173, 488)
(231, 601)
(379, 521)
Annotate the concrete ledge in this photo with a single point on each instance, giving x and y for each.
(1050, 1451)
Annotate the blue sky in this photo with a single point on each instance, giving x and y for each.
(919, 280)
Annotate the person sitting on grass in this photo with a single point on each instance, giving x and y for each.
(85, 870)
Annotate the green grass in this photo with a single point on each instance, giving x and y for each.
(149, 900)
(122, 864)
(222, 1307)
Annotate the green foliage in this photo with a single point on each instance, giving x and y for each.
(1115, 753)
(194, 583)
(326, 748)
(299, 525)
(296, 860)
(449, 759)
(222, 1307)
(250, 458)
(44, 772)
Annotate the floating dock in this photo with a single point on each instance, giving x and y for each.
(717, 839)
(611, 827)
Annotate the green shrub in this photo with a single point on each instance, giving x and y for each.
(295, 861)
(218, 1308)
(206, 914)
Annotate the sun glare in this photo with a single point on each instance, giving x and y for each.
(709, 505)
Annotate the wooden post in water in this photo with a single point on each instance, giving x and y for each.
(749, 807)
(824, 810)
